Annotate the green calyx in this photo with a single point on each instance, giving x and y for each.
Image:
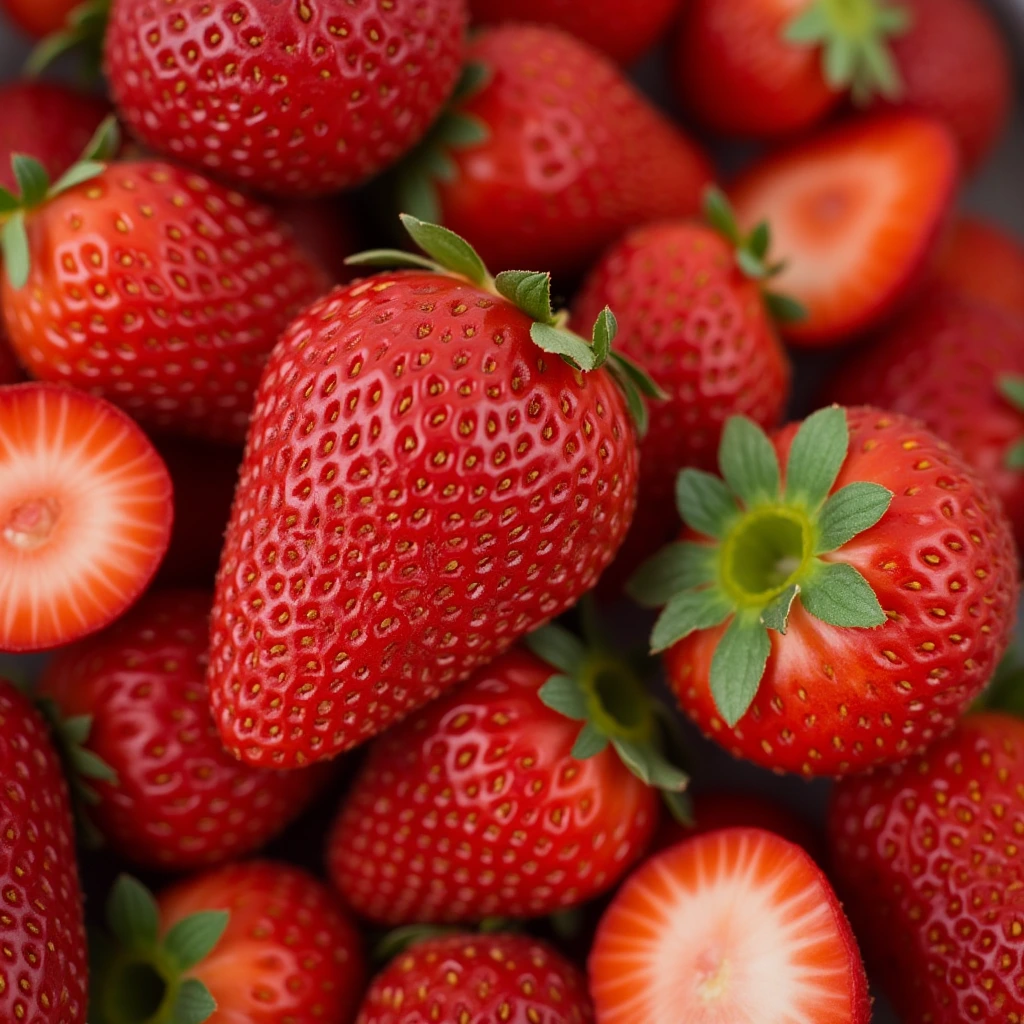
(762, 547)
(35, 189)
(600, 689)
(448, 253)
(84, 29)
(1011, 387)
(752, 255)
(854, 38)
(142, 975)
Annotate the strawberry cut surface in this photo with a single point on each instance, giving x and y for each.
(85, 515)
(737, 925)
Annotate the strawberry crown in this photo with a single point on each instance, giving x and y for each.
(764, 544)
(530, 291)
(1011, 387)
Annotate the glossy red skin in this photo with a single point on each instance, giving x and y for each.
(289, 952)
(180, 802)
(478, 979)
(180, 356)
(309, 98)
(392, 534)
(735, 73)
(575, 155)
(39, 17)
(623, 31)
(986, 263)
(699, 326)
(940, 362)
(474, 807)
(927, 855)
(835, 701)
(955, 65)
(43, 963)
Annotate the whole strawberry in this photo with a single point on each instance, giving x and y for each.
(163, 792)
(258, 942)
(957, 365)
(928, 857)
(43, 963)
(550, 150)
(690, 314)
(841, 612)
(296, 99)
(478, 979)
(493, 801)
(431, 472)
(153, 287)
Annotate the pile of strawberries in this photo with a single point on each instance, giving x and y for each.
(404, 644)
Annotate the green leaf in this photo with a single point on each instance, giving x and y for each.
(783, 309)
(392, 258)
(1011, 387)
(704, 502)
(193, 938)
(649, 766)
(8, 201)
(850, 511)
(644, 383)
(459, 131)
(564, 343)
(33, 181)
(688, 612)
(193, 1004)
(132, 914)
(760, 240)
(751, 266)
(837, 594)
(680, 806)
(680, 566)
(719, 214)
(635, 403)
(90, 765)
(737, 666)
(76, 174)
(839, 62)
(809, 28)
(449, 249)
(74, 729)
(14, 241)
(1015, 456)
(528, 290)
(748, 461)
(816, 456)
(105, 141)
(589, 743)
(557, 647)
(603, 334)
(878, 74)
(776, 615)
(475, 75)
(415, 189)
(565, 695)
(398, 940)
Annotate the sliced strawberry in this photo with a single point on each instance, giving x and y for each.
(855, 213)
(738, 925)
(85, 514)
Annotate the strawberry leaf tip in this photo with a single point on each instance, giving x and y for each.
(1011, 387)
(84, 28)
(764, 535)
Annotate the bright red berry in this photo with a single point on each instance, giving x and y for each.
(983, 261)
(39, 17)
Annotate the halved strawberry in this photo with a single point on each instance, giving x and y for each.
(737, 925)
(85, 514)
(855, 214)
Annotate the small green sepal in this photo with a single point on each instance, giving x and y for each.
(1011, 387)
(84, 29)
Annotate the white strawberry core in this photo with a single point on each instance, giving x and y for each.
(31, 524)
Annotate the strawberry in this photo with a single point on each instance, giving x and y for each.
(423, 484)
(952, 362)
(154, 287)
(855, 213)
(983, 261)
(167, 795)
(623, 32)
(494, 801)
(39, 17)
(332, 94)
(258, 942)
(689, 313)
(478, 979)
(844, 613)
(42, 957)
(551, 150)
(929, 856)
(85, 515)
(737, 925)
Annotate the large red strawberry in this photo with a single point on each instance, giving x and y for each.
(856, 213)
(167, 795)
(478, 979)
(291, 98)
(737, 925)
(553, 155)
(623, 31)
(43, 965)
(958, 365)
(929, 857)
(690, 309)
(152, 286)
(494, 801)
(85, 515)
(843, 612)
(432, 471)
(39, 17)
(258, 942)
(985, 262)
